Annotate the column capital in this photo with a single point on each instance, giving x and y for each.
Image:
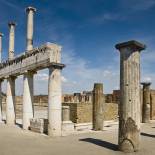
(30, 8)
(132, 44)
(146, 83)
(12, 24)
(1, 34)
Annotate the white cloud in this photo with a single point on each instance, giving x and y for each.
(138, 5)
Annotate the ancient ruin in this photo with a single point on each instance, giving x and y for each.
(27, 64)
(65, 114)
(129, 108)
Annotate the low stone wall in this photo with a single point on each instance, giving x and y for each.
(82, 112)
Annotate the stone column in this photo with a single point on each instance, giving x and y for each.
(129, 107)
(1, 35)
(30, 13)
(1, 117)
(11, 39)
(54, 102)
(146, 102)
(10, 101)
(65, 113)
(98, 101)
(27, 99)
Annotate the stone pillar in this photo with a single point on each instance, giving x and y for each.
(10, 101)
(129, 107)
(98, 101)
(11, 39)
(65, 113)
(54, 102)
(1, 35)
(1, 117)
(146, 102)
(30, 13)
(28, 111)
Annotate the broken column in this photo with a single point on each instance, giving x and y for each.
(129, 107)
(146, 102)
(28, 76)
(98, 101)
(67, 124)
(11, 39)
(30, 13)
(10, 95)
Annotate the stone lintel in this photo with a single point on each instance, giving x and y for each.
(30, 8)
(12, 24)
(1, 34)
(57, 65)
(132, 43)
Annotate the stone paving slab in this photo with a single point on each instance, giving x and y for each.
(15, 141)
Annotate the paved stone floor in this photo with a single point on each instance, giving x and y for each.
(15, 141)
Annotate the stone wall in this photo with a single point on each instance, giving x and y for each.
(82, 113)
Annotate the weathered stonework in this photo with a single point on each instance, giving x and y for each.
(146, 102)
(129, 107)
(98, 103)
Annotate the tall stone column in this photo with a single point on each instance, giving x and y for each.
(54, 102)
(1, 35)
(30, 13)
(98, 102)
(28, 111)
(11, 39)
(10, 101)
(1, 117)
(146, 102)
(129, 107)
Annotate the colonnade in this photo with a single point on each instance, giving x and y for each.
(54, 85)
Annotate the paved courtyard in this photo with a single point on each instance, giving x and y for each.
(15, 141)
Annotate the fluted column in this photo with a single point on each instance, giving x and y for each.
(146, 102)
(30, 13)
(28, 111)
(11, 39)
(98, 102)
(10, 101)
(54, 102)
(1, 35)
(129, 107)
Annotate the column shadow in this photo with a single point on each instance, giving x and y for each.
(101, 143)
(147, 135)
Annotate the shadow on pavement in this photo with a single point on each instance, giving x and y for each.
(101, 143)
(148, 135)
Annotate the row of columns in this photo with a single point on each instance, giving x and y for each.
(54, 86)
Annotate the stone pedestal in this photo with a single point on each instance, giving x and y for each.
(98, 101)
(10, 101)
(39, 125)
(129, 107)
(27, 99)
(54, 102)
(67, 124)
(146, 102)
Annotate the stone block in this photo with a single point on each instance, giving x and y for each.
(39, 125)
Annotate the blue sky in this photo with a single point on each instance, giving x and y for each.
(88, 31)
